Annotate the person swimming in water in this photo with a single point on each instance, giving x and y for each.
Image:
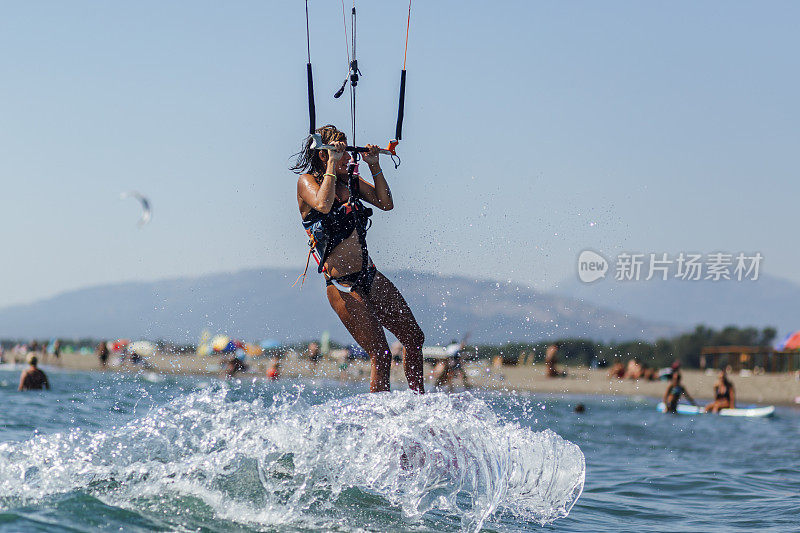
(674, 393)
(337, 222)
(724, 396)
(33, 378)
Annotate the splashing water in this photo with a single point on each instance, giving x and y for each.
(287, 463)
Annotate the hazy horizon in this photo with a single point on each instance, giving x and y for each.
(559, 288)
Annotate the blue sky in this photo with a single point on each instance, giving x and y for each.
(533, 130)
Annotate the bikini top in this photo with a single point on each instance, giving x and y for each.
(328, 230)
(720, 395)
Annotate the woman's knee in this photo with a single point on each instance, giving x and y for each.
(379, 350)
(410, 335)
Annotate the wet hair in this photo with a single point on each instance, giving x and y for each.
(307, 160)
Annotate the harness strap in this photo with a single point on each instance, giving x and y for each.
(312, 244)
(304, 275)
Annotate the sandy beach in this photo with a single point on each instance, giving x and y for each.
(768, 389)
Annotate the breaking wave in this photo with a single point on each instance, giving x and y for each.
(284, 462)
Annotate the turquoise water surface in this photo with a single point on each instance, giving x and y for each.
(127, 452)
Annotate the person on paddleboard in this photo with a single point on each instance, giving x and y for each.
(329, 196)
(674, 393)
(724, 396)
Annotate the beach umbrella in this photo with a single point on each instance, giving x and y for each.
(270, 344)
(142, 348)
(230, 347)
(790, 342)
(794, 342)
(219, 342)
(253, 350)
(325, 343)
(119, 344)
(357, 352)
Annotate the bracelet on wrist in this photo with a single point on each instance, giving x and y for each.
(378, 173)
(329, 174)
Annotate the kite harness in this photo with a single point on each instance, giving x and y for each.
(326, 231)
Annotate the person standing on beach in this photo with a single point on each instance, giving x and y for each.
(33, 378)
(274, 370)
(102, 354)
(314, 355)
(233, 366)
(455, 365)
(442, 375)
(551, 361)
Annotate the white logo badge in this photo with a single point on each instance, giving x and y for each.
(591, 266)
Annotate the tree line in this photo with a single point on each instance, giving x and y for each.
(684, 348)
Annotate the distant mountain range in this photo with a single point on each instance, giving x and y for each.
(768, 301)
(260, 303)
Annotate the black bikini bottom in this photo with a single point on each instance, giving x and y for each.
(360, 281)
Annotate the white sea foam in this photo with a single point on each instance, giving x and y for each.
(287, 462)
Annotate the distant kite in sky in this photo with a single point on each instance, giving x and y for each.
(146, 211)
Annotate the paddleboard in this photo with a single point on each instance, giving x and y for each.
(749, 411)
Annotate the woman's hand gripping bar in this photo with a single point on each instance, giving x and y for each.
(316, 144)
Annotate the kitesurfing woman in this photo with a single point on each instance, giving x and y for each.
(336, 220)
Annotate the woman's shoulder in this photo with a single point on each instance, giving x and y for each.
(302, 178)
(306, 182)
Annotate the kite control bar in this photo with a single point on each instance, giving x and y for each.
(316, 144)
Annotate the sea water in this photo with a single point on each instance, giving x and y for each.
(138, 452)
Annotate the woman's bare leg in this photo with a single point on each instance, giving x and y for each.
(360, 320)
(394, 314)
